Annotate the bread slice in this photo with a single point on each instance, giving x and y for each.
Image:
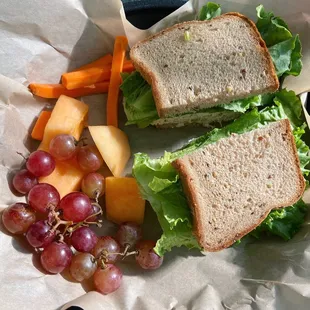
(225, 59)
(233, 184)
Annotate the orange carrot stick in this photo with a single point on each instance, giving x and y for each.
(105, 60)
(38, 129)
(119, 52)
(81, 78)
(56, 90)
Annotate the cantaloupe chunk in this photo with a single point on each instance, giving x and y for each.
(68, 117)
(123, 200)
(113, 146)
(66, 177)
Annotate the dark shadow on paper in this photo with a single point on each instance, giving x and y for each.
(20, 244)
(37, 264)
(90, 46)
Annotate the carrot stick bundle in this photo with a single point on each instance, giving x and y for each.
(92, 75)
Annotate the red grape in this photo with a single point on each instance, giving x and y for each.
(40, 163)
(109, 245)
(146, 256)
(108, 280)
(89, 158)
(23, 181)
(56, 257)
(93, 185)
(18, 217)
(62, 147)
(83, 239)
(128, 234)
(83, 266)
(42, 197)
(76, 207)
(40, 234)
(95, 209)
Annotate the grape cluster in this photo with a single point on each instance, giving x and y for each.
(59, 228)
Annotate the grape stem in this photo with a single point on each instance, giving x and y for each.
(104, 254)
(130, 253)
(97, 194)
(83, 139)
(59, 221)
(20, 154)
(98, 223)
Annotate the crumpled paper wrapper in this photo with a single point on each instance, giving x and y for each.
(41, 40)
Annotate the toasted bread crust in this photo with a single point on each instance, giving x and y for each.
(190, 192)
(150, 77)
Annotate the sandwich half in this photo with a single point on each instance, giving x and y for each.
(244, 177)
(225, 59)
(232, 185)
(204, 72)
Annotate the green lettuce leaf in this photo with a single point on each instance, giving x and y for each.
(296, 64)
(283, 222)
(272, 29)
(139, 103)
(209, 11)
(284, 48)
(160, 185)
(281, 55)
(159, 182)
(292, 108)
(242, 105)
(291, 105)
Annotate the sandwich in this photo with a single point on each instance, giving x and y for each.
(244, 178)
(209, 70)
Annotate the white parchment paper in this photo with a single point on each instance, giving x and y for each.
(39, 40)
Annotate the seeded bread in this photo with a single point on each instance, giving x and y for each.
(233, 184)
(224, 59)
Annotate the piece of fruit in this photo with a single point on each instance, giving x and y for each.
(83, 239)
(108, 280)
(76, 207)
(106, 245)
(18, 217)
(123, 200)
(42, 197)
(113, 146)
(56, 257)
(66, 177)
(128, 234)
(93, 185)
(68, 117)
(89, 158)
(62, 147)
(83, 266)
(146, 256)
(40, 163)
(24, 181)
(40, 234)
